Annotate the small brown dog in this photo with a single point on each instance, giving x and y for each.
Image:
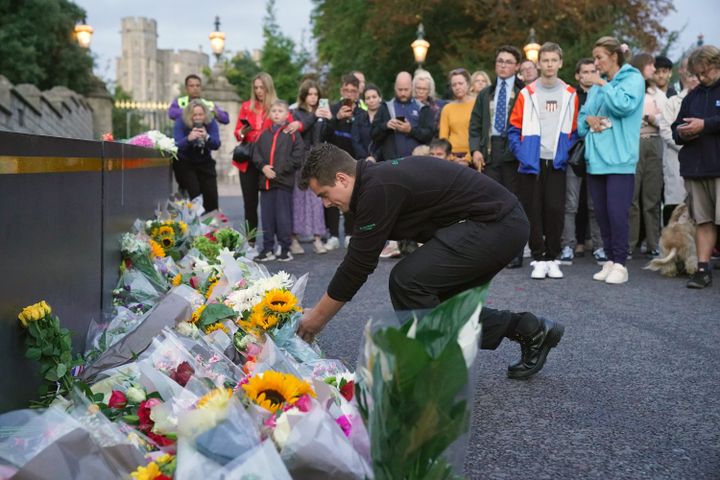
(677, 245)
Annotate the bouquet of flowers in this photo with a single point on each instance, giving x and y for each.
(155, 140)
(169, 235)
(139, 255)
(412, 388)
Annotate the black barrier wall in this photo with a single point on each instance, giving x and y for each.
(64, 205)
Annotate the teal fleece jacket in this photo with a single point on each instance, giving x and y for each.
(614, 150)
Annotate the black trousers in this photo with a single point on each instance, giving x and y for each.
(503, 172)
(250, 184)
(543, 198)
(198, 178)
(277, 216)
(459, 257)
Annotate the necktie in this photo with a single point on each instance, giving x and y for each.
(501, 109)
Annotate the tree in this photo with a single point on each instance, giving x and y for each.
(375, 35)
(279, 58)
(37, 45)
(240, 71)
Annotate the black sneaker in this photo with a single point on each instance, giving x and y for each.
(265, 256)
(285, 256)
(700, 279)
(653, 254)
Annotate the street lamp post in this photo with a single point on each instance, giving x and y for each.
(420, 46)
(217, 41)
(83, 34)
(532, 48)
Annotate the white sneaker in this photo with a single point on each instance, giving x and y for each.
(567, 255)
(251, 253)
(526, 252)
(553, 269)
(540, 269)
(618, 275)
(347, 240)
(318, 247)
(332, 244)
(391, 250)
(296, 248)
(603, 274)
(278, 250)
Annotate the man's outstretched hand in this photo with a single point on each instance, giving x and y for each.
(315, 319)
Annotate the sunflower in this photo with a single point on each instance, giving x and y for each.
(166, 231)
(167, 241)
(216, 326)
(271, 390)
(155, 249)
(258, 320)
(151, 471)
(280, 301)
(211, 287)
(183, 227)
(217, 398)
(197, 314)
(177, 280)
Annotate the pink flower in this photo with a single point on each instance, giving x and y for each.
(253, 350)
(345, 424)
(304, 404)
(144, 411)
(270, 422)
(118, 400)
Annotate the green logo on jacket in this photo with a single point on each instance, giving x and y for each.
(367, 228)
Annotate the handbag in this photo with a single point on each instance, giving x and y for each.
(242, 155)
(576, 158)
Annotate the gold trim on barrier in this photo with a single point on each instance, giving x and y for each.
(22, 165)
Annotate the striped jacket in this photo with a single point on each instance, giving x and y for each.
(524, 129)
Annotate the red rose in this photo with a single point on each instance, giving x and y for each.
(348, 390)
(159, 440)
(144, 411)
(117, 400)
(163, 477)
(182, 373)
(210, 236)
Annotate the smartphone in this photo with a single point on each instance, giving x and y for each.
(400, 118)
(348, 103)
(324, 103)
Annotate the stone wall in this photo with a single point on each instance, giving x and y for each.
(58, 112)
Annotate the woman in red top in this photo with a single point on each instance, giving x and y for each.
(252, 121)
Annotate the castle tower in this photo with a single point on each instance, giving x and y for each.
(137, 68)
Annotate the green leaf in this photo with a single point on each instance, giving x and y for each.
(61, 370)
(448, 318)
(131, 419)
(213, 313)
(33, 353)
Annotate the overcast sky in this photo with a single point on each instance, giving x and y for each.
(186, 24)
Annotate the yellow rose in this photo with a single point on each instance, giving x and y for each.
(33, 313)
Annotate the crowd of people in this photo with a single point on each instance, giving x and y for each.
(648, 147)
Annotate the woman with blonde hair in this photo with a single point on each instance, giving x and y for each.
(455, 117)
(610, 122)
(196, 133)
(478, 82)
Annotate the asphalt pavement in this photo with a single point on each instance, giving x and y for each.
(631, 392)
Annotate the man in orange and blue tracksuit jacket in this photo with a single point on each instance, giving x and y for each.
(542, 129)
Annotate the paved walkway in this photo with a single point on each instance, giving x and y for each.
(632, 391)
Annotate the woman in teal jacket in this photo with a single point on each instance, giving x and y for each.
(610, 122)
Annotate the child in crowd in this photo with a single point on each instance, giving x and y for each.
(278, 155)
(441, 148)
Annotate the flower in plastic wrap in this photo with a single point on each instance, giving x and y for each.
(283, 426)
(273, 390)
(118, 400)
(135, 394)
(182, 373)
(187, 329)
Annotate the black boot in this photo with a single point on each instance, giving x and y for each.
(535, 348)
(516, 262)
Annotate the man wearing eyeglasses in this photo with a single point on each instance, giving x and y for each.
(488, 125)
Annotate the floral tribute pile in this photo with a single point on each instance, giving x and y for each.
(226, 388)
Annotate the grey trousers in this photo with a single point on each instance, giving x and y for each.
(648, 188)
(572, 202)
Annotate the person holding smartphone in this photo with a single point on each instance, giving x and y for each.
(402, 123)
(610, 122)
(196, 133)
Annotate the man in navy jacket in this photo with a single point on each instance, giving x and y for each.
(697, 128)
